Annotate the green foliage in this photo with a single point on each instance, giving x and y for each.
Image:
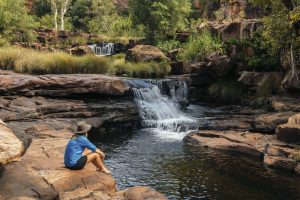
(41, 7)
(277, 27)
(200, 46)
(229, 91)
(46, 21)
(103, 16)
(15, 23)
(80, 14)
(161, 18)
(122, 26)
(141, 69)
(168, 45)
(262, 60)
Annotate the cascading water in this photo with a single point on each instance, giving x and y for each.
(103, 49)
(160, 109)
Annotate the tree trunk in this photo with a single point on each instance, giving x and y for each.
(62, 18)
(55, 19)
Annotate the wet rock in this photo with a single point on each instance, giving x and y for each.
(289, 133)
(178, 68)
(173, 54)
(139, 193)
(286, 104)
(62, 85)
(145, 53)
(231, 141)
(267, 123)
(280, 162)
(291, 81)
(218, 65)
(259, 79)
(11, 148)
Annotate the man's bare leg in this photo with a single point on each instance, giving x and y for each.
(96, 160)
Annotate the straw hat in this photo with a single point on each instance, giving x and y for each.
(83, 127)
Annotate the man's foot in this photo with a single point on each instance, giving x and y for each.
(106, 171)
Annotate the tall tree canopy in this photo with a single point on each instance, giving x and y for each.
(161, 17)
(15, 22)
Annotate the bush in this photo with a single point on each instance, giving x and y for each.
(200, 46)
(229, 91)
(168, 45)
(34, 62)
(122, 26)
(141, 69)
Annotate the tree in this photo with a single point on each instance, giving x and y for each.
(281, 27)
(104, 14)
(15, 22)
(63, 6)
(162, 18)
(81, 14)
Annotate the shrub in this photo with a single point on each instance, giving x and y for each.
(229, 91)
(168, 45)
(34, 62)
(200, 46)
(8, 56)
(122, 26)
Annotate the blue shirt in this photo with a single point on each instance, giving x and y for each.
(75, 148)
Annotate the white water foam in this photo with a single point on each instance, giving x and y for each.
(162, 113)
(105, 49)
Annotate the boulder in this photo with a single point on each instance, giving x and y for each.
(173, 54)
(280, 162)
(62, 85)
(291, 81)
(11, 148)
(230, 141)
(139, 193)
(145, 53)
(295, 119)
(267, 123)
(289, 133)
(41, 173)
(180, 67)
(259, 79)
(80, 50)
(232, 30)
(218, 65)
(286, 104)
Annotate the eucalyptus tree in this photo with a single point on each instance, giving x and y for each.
(162, 18)
(16, 25)
(62, 6)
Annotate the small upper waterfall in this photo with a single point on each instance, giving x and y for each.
(103, 49)
(160, 104)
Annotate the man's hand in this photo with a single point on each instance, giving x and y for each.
(102, 155)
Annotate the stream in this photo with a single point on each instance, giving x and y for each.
(156, 156)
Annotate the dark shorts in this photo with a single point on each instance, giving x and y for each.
(80, 164)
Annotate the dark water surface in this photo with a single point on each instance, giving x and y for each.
(149, 158)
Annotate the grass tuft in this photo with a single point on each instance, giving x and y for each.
(35, 62)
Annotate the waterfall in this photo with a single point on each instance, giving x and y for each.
(103, 49)
(159, 104)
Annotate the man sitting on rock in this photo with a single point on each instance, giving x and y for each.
(80, 151)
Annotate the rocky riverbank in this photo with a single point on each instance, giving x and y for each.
(272, 137)
(37, 127)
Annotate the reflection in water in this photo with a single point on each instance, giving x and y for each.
(184, 172)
